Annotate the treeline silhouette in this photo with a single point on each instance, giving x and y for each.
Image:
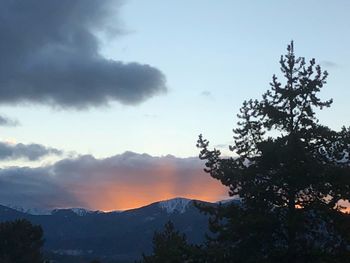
(20, 242)
(290, 173)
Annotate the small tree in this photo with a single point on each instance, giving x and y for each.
(20, 242)
(290, 173)
(169, 246)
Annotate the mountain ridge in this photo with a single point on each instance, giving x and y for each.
(171, 205)
(120, 236)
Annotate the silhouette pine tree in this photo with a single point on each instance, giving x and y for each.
(290, 174)
(20, 242)
(169, 246)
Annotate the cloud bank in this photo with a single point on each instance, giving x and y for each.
(122, 181)
(31, 152)
(50, 55)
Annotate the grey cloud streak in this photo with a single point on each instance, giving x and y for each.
(329, 64)
(4, 121)
(50, 55)
(31, 152)
(121, 181)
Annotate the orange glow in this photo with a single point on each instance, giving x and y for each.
(127, 191)
(121, 197)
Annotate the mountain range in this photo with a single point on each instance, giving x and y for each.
(120, 236)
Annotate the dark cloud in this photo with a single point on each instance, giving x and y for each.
(121, 181)
(31, 152)
(50, 55)
(4, 121)
(33, 188)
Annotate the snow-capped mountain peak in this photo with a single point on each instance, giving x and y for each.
(30, 211)
(74, 210)
(40, 211)
(81, 211)
(178, 205)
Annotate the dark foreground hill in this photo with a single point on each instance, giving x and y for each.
(120, 236)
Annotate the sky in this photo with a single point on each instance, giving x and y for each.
(101, 102)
